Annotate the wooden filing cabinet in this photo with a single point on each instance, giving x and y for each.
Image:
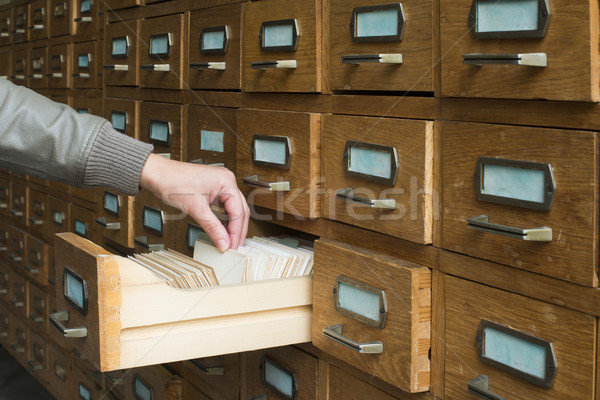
(19, 340)
(38, 357)
(522, 196)
(38, 308)
(281, 373)
(211, 136)
(215, 51)
(282, 47)
(278, 160)
(5, 282)
(62, 20)
(83, 385)
(38, 259)
(83, 223)
(6, 67)
(376, 45)
(17, 248)
(547, 51)
(5, 325)
(115, 217)
(6, 26)
(122, 53)
(5, 197)
(162, 59)
(162, 124)
(217, 377)
(39, 20)
(59, 66)
(20, 31)
(525, 354)
(58, 216)
(59, 372)
(86, 65)
(38, 68)
(374, 312)
(122, 4)
(378, 174)
(38, 211)
(86, 17)
(20, 66)
(157, 382)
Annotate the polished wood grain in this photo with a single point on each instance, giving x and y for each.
(573, 155)
(131, 30)
(164, 112)
(467, 303)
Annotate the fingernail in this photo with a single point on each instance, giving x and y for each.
(222, 245)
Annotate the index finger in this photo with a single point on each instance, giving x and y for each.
(237, 226)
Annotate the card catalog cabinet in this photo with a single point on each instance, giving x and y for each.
(39, 20)
(83, 223)
(38, 68)
(86, 16)
(378, 174)
(38, 209)
(342, 385)
(215, 51)
(58, 216)
(122, 53)
(211, 136)
(520, 50)
(19, 340)
(37, 260)
(112, 311)
(5, 67)
(282, 46)
(380, 46)
(17, 247)
(374, 312)
(522, 196)
(83, 385)
(62, 20)
(121, 4)
(5, 282)
(278, 160)
(5, 197)
(495, 351)
(18, 295)
(155, 223)
(156, 382)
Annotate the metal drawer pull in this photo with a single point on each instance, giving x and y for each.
(54, 75)
(35, 318)
(35, 366)
(16, 213)
(35, 221)
(3, 291)
(103, 221)
(18, 32)
(18, 77)
(36, 76)
(15, 258)
(348, 195)
(83, 19)
(156, 67)
(37, 27)
(142, 241)
(57, 318)
(373, 58)
(116, 67)
(286, 64)
(480, 223)
(253, 180)
(16, 303)
(3, 205)
(81, 75)
(4, 34)
(525, 59)
(479, 387)
(32, 270)
(334, 332)
(202, 162)
(209, 65)
(209, 370)
(15, 347)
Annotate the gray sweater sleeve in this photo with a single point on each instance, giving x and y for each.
(52, 141)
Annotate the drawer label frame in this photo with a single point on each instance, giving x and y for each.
(118, 119)
(277, 27)
(74, 281)
(543, 20)
(119, 47)
(111, 203)
(394, 163)
(356, 24)
(138, 383)
(81, 227)
(165, 132)
(212, 141)
(260, 158)
(212, 33)
(268, 367)
(195, 232)
(38, 15)
(344, 309)
(148, 212)
(160, 45)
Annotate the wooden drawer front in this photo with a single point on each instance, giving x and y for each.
(373, 47)
(122, 53)
(162, 125)
(39, 20)
(59, 66)
(6, 27)
(17, 247)
(38, 359)
(89, 196)
(84, 386)
(37, 260)
(20, 61)
(19, 343)
(290, 144)
(399, 317)
(5, 325)
(120, 4)
(5, 282)
(297, 67)
(162, 59)
(83, 223)
(211, 136)
(569, 48)
(88, 105)
(217, 377)
(5, 67)
(38, 68)
(20, 32)
(155, 223)
(393, 171)
(342, 385)
(571, 155)
(62, 20)
(87, 19)
(38, 308)
(173, 326)
(515, 368)
(38, 210)
(5, 195)
(59, 373)
(153, 382)
(215, 48)
(86, 65)
(281, 373)
(114, 218)
(19, 294)
(124, 115)
(58, 217)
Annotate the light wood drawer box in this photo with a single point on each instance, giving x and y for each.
(282, 46)
(373, 47)
(5, 325)
(38, 211)
(19, 294)
(83, 385)
(59, 66)
(122, 53)
(86, 65)
(38, 68)
(217, 377)
(59, 376)
(19, 207)
(19, 340)
(5, 196)
(374, 312)
(20, 32)
(157, 382)
(278, 160)
(162, 59)
(162, 125)
(211, 136)
(115, 217)
(20, 65)
(38, 357)
(5, 67)
(86, 17)
(6, 27)
(62, 20)
(121, 4)
(83, 223)
(37, 262)
(378, 174)
(342, 385)
(39, 20)
(281, 373)
(130, 310)
(518, 343)
(17, 248)
(38, 308)
(508, 183)
(58, 216)
(5, 283)
(556, 56)
(123, 115)
(215, 51)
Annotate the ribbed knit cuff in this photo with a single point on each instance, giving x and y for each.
(116, 161)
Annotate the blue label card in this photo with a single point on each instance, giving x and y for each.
(370, 162)
(80, 228)
(86, 6)
(513, 183)
(120, 46)
(153, 220)
(211, 141)
(270, 151)
(160, 45)
(214, 40)
(84, 393)
(278, 35)
(194, 233)
(83, 61)
(160, 131)
(359, 301)
(119, 121)
(377, 23)
(111, 203)
(83, 110)
(74, 289)
(278, 378)
(142, 391)
(507, 15)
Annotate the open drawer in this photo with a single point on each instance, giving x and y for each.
(118, 315)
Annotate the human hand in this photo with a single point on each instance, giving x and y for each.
(192, 188)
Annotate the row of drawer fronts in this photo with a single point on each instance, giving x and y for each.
(25, 253)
